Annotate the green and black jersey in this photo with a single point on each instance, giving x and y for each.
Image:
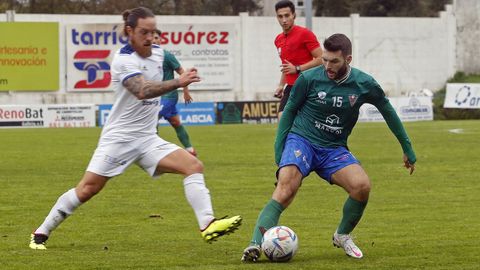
(324, 111)
(170, 64)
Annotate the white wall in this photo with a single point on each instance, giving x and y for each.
(468, 34)
(403, 54)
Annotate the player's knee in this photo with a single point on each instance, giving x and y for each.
(196, 166)
(363, 187)
(85, 192)
(174, 122)
(285, 191)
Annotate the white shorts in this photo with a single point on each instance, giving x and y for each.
(113, 158)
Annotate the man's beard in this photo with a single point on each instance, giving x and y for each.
(341, 72)
(144, 49)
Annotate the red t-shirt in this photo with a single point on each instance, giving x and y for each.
(296, 47)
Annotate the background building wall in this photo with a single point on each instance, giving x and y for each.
(467, 14)
(403, 54)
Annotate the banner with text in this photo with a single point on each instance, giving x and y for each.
(248, 112)
(90, 49)
(462, 96)
(55, 115)
(193, 114)
(208, 47)
(103, 113)
(407, 108)
(264, 112)
(70, 115)
(29, 56)
(22, 115)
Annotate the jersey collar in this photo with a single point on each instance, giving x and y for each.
(127, 49)
(347, 75)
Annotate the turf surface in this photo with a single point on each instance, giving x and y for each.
(430, 220)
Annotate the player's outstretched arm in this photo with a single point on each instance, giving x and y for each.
(144, 89)
(295, 101)
(407, 164)
(186, 92)
(186, 95)
(279, 91)
(396, 126)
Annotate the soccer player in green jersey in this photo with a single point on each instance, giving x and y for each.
(169, 101)
(312, 136)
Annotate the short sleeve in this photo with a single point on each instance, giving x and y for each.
(311, 41)
(127, 66)
(171, 61)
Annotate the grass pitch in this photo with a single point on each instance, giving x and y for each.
(430, 220)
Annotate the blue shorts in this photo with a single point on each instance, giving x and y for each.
(325, 161)
(168, 108)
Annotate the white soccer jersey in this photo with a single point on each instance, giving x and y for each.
(131, 118)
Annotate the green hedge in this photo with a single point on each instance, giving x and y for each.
(440, 113)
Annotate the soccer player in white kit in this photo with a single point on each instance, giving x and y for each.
(130, 134)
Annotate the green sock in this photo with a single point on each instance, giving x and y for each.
(352, 213)
(267, 219)
(183, 136)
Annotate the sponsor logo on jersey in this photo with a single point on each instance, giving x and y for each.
(332, 119)
(150, 102)
(352, 99)
(305, 162)
(329, 125)
(321, 97)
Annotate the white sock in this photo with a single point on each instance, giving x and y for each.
(63, 208)
(198, 196)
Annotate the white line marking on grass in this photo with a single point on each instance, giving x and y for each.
(456, 130)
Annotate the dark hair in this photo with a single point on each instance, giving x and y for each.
(338, 42)
(131, 16)
(158, 32)
(284, 4)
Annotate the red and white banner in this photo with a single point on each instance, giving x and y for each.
(208, 47)
(13, 116)
(70, 115)
(55, 115)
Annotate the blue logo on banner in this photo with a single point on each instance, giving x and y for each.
(195, 114)
(103, 112)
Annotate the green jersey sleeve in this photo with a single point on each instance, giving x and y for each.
(376, 95)
(298, 95)
(396, 126)
(170, 64)
(378, 99)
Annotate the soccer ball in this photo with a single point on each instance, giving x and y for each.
(279, 244)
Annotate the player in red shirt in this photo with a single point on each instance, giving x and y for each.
(297, 47)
